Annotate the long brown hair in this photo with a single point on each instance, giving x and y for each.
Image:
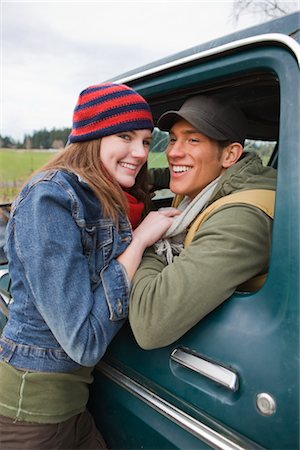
(83, 159)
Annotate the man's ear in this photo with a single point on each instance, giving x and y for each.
(231, 154)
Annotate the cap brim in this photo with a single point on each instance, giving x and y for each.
(167, 120)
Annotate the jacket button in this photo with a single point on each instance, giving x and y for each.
(119, 307)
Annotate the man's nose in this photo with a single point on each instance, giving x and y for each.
(175, 149)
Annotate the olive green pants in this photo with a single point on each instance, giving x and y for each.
(79, 432)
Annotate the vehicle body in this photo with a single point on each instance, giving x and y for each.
(232, 382)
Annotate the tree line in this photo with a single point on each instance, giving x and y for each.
(42, 139)
(57, 138)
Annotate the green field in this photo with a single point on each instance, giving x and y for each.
(157, 160)
(16, 166)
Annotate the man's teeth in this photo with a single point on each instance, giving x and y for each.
(127, 165)
(179, 169)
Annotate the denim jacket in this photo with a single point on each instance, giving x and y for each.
(70, 294)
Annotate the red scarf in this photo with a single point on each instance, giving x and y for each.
(136, 209)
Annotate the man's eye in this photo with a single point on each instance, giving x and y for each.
(172, 140)
(147, 143)
(193, 140)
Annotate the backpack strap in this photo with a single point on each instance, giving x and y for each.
(260, 198)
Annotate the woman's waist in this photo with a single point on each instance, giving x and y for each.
(29, 356)
(46, 397)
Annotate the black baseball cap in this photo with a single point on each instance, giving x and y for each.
(219, 120)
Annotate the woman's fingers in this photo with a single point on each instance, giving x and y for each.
(169, 212)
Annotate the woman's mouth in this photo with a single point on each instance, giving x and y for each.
(128, 165)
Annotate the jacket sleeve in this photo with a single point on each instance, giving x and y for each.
(231, 247)
(49, 247)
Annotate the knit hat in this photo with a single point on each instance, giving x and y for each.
(217, 119)
(106, 109)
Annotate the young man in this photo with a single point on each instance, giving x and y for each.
(175, 287)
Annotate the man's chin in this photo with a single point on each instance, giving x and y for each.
(176, 189)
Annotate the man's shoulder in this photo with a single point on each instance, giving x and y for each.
(247, 174)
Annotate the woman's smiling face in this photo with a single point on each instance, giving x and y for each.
(124, 154)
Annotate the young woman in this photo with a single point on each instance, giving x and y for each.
(66, 237)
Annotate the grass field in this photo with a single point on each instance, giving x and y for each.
(16, 166)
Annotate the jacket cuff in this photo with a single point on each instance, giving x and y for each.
(116, 292)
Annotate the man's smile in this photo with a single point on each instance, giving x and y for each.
(180, 169)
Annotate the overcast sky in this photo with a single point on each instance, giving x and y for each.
(50, 51)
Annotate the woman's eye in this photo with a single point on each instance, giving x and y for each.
(126, 137)
(147, 143)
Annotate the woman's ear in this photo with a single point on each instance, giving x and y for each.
(231, 154)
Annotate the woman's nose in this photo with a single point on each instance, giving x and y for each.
(139, 150)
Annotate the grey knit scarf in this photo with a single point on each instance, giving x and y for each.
(171, 243)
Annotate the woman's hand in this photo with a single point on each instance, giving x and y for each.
(147, 233)
(155, 224)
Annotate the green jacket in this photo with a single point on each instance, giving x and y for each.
(231, 247)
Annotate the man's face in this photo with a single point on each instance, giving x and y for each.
(194, 159)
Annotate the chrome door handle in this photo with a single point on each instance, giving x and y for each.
(208, 368)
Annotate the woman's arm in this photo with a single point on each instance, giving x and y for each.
(146, 234)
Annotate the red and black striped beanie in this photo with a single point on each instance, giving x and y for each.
(109, 108)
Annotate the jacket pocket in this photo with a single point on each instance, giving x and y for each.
(97, 247)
